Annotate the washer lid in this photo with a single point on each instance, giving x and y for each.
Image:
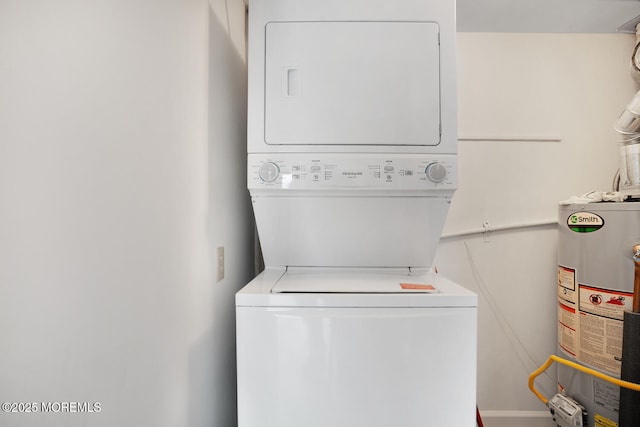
(353, 287)
(344, 282)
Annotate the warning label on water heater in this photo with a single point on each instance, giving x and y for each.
(601, 421)
(567, 315)
(600, 327)
(604, 302)
(567, 285)
(567, 326)
(590, 322)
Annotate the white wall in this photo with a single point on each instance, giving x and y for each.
(535, 119)
(229, 220)
(120, 128)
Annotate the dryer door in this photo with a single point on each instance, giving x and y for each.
(352, 83)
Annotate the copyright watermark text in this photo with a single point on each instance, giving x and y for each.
(52, 407)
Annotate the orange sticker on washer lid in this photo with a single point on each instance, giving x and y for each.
(417, 287)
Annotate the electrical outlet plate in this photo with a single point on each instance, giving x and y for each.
(220, 258)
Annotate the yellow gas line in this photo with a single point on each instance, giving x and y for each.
(577, 366)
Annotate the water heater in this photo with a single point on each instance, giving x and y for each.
(595, 287)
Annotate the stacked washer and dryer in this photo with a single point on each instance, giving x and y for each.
(351, 169)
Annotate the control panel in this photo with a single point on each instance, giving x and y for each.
(567, 412)
(356, 171)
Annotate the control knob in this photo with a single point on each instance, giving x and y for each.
(436, 172)
(269, 172)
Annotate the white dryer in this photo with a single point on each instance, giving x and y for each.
(351, 169)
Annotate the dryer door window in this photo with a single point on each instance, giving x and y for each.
(352, 83)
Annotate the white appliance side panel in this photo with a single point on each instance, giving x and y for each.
(356, 367)
(350, 231)
(352, 83)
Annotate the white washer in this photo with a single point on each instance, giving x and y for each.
(351, 347)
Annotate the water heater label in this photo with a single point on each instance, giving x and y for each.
(585, 222)
(600, 327)
(567, 314)
(606, 395)
(601, 421)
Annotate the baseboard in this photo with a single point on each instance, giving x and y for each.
(517, 419)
